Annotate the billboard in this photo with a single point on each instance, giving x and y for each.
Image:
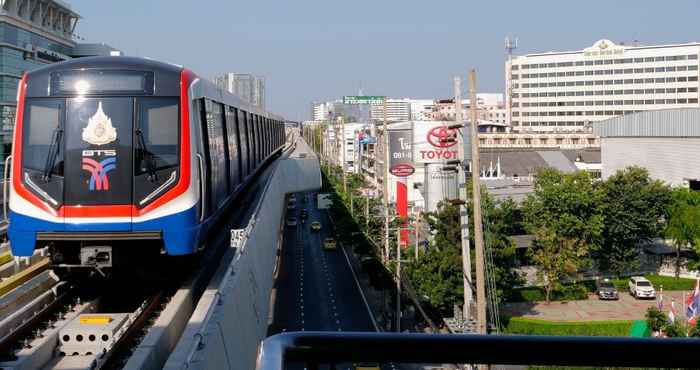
(400, 153)
(436, 142)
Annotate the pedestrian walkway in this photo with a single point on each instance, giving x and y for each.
(592, 309)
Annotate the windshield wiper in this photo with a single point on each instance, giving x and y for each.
(53, 153)
(147, 157)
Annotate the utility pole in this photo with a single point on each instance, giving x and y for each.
(415, 241)
(343, 157)
(398, 280)
(367, 209)
(385, 182)
(464, 213)
(476, 205)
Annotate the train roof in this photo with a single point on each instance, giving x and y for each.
(109, 62)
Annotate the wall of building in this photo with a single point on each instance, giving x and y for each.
(670, 159)
(567, 90)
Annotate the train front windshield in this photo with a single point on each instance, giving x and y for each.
(100, 149)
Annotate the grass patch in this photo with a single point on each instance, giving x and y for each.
(668, 282)
(528, 326)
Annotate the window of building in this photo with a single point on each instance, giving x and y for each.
(639, 102)
(681, 90)
(670, 79)
(694, 78)
(659, 59)
(692, 89)
(671, 90)
(670, 101)
(692, 101)
(692, 56)
(649, 59)
(693, 68)
(660, 80)
(659, 101)
(648, 101)
(681, 79)
(589, 62)
(682, 101)
(659, 91)
(648, 70)
(681, 68)
(639, 70)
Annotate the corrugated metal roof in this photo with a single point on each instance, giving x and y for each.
(684, 122)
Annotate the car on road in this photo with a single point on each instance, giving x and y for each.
(292, 221)
(606, 290)
(640, 287)
(315, 226)
(291, 205)
(329, 244)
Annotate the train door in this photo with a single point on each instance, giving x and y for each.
(98, 161)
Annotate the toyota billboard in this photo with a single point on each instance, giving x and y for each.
(435, 142)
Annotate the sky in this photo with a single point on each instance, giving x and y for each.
(314, 50)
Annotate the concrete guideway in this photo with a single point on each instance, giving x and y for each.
(231, 318)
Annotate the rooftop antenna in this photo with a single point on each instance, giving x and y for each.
(510, 45)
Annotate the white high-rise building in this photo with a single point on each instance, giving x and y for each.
(396, 110)
(564, 91)
(251, 89)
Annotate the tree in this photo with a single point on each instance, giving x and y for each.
(656, 320)
(438, 277)
(564, 216)
(684, 223)
(676, 329)
(633, 206)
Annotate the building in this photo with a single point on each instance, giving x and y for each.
(249, 88)
(665, 142)
(564, 91)
(31, 37)
(490, 108)
(396, 110)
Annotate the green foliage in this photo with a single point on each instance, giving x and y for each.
(575, 292)
(656, 320)
(677, 329)
(668, 283)
(684, 224)
(438, 278)
(633, 206)
(694, 330)
(564, 216)
(523, 325)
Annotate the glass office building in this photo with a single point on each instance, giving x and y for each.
(33, 34)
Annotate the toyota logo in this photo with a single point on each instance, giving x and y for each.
(442, 137)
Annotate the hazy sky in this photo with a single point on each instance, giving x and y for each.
(320, 50)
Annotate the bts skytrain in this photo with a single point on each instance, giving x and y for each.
(119, 159)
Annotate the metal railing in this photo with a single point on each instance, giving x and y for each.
(317, 348)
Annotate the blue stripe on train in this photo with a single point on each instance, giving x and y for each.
(181, 231)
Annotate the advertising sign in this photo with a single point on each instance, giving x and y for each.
(400, 153)
(434, 142)
(361, 99)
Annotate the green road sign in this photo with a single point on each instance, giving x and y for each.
(361, 99)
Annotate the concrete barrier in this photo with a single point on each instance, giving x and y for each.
(231, 317)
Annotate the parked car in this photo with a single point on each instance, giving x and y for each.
(291, 205)
(292, 221)
(329, 244)
(315, 226)
(640, 287)
(606, 290)
(304, 213)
